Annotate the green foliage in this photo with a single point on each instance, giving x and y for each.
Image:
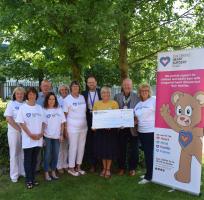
(105, 73)
(4, 150)
(49, 37)
(53, 38)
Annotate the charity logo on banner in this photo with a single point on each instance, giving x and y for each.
(179, 120)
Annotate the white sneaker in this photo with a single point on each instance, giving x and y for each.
(81, 172)
(143, 181)
(14, 180)
(73, 173)
(142, 177)
(22, 175)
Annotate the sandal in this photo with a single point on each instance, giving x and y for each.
(54, 177)
(48, 178)
(107, 174)
(132, 173)
(102, 174)
(29, 185)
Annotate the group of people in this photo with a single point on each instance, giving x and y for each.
(62, 125)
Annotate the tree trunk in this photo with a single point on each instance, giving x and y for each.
(40, 77)
(123, 64)
(76, 72)
(75, 66)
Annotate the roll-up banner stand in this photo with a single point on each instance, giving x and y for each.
(179, 120)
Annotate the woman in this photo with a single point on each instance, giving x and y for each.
(53, 134)
(106, 139)
(30, 119)
(62, 163)
(145, 118)
(75, 111)
(14, 135)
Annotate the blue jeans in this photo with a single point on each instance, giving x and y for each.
(51, 152)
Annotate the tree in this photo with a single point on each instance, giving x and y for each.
(105, 72)
(144, 28)
(71, 30)
(64, 37)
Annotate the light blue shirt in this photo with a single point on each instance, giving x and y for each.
(41, 99)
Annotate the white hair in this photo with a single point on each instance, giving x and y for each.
(105, 89)
(63, 85)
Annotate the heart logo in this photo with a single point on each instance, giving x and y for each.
(17, 107)
(185, 138)
(28, 114)
(165, 60)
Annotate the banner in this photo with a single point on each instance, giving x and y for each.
(179, 120)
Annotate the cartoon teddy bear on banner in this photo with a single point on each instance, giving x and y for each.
(188, 115)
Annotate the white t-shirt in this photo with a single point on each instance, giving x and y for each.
(76, 109)
(145, 113)
(11, 111)
(32, 116)
(60, 101)
(54, 117)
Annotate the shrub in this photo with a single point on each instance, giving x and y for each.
(4, 150)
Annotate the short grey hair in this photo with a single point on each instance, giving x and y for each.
(106, 88)
(63, 85)
(127, 79)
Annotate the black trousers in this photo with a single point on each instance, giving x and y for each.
(89, 155)
(128, 150)
(147, 142)
(30, 161)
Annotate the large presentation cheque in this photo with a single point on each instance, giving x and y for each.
(113, 118)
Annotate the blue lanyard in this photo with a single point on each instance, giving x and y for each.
(92, 101)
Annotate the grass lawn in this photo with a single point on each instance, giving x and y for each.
(90, 187)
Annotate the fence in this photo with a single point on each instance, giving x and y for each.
(6, 88)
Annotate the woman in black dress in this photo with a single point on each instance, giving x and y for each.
(106, 139)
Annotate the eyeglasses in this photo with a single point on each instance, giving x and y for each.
(144, 90)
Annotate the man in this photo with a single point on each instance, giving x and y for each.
(128, 137)
(91, 95)
(45, 87)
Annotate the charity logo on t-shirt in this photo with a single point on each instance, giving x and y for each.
(33, 115)
(53, 115)
(28, 115)
(78, 103)
(141, 107)
(17, 107)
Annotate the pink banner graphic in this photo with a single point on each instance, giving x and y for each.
(179, 120)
